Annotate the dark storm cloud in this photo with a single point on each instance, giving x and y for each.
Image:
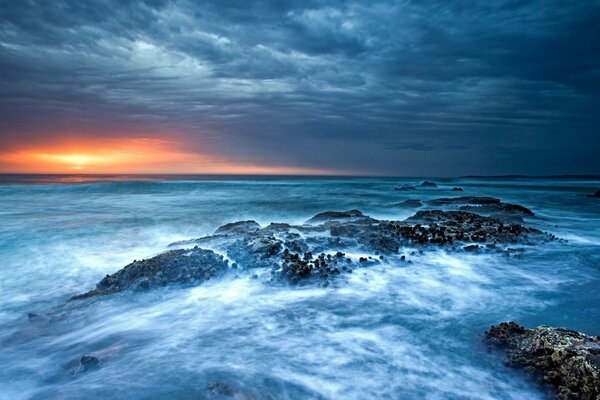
(397, 87)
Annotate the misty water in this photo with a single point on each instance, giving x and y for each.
(389, 331)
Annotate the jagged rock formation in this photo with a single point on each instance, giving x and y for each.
(317, 248)
(567, 360)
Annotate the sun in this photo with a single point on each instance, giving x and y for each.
(76, 161)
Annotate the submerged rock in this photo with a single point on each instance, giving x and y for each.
(410, 203)
(405, 188)
(428, 184)
(177, 266)
(465, 200)
(567, 360)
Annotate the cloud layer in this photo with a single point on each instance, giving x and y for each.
(388, 87)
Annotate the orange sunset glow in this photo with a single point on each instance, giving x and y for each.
(131, 156)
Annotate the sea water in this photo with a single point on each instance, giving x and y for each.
(384, 332)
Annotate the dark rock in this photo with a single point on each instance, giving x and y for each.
(498, 209)
(566, 360)
(465, 200)
(221, 390)
(484, 205)
(597, 194)
(405, 188)
(87, 363)
(457, 189)
(335, 215)
(411, 203)
(238, 227)
(176, 266)
(289, 250)
(428, 184)
(218, 389)
(471, 248)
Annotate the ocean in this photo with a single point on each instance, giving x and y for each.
(387, 331)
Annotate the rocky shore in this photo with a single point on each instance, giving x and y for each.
(566, 360)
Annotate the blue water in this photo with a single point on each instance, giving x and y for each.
(383, 332)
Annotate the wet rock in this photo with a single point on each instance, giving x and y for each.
(484, 205)
(566, 360)
(256, 250)
(176, 266)
(597, 194)
(457, 189)
(428, 184)
(86, 363)
(238, 227)
(219, 389)
(465, 200)
(334, 215)
(498, 209)
(411, 203)
(405, 188)
(451, 226)
(297, 252)
(471, 248)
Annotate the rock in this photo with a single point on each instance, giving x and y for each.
(406, 188)
(411, 203)
(428, 184)
(176, 266)
(483, 205)
(238, 227)
(566, 360)
(471, 248)
(498, 209)
(220, 389)
(86, 363)
(597, 194)
(451, 226)
(334, 215)
(465, 200)
(289, 250)
(457, 189)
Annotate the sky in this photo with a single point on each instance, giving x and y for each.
(401, 88)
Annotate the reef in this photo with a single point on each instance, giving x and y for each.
(566, 360)
(316, 250)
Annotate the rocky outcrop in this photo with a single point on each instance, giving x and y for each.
(238, 227)
(410, 203)
(567, 360)
(484, 205)
(465, 200)
(429, 184)
(316, 249)
(334, 215)
(177, 266)
(405, 188)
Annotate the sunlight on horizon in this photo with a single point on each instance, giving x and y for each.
(135, 155)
